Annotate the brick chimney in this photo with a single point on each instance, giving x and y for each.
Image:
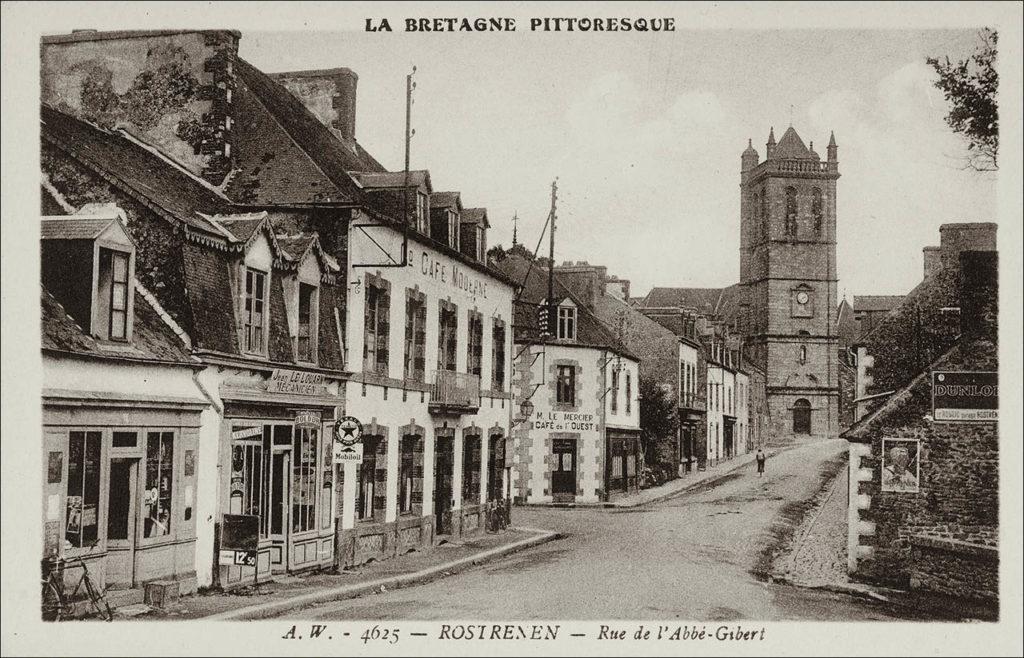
(583, 280)
(957, 238)
(979, 295)
(932, 260)
(329, 94)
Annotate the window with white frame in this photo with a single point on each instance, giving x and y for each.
(255, 324)
(113, 293)
(453, 229)
(422, 213)
(567, 323)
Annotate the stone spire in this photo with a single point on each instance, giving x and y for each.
(749, 158)
(770, 146)
(833, 149)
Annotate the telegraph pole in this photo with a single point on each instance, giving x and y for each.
(552, 319)
(409, 132)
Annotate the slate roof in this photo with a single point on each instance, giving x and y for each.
(72, 228)
(152, 338)
(876, 302)
(590, 332)
(179, 194)
(444, 199)
(391, 179)
(792, 147)
(285, 154)
(702, 300)
(475, 216)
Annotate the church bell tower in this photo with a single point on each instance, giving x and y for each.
(788, 277)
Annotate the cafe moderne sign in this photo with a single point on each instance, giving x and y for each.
(448, 272)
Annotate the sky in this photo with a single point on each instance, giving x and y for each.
(644, 134)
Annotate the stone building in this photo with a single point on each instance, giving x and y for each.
(668, 353)
(788, 277)
(576, 431)
(924, 488)
(310, 284)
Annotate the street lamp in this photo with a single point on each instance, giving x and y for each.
(526, 409)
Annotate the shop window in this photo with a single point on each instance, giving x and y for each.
(567, 323)
(377, 328)
(447, 338)
(498, 356)
(304, 468)
(415, 337)
(113, 293)
(471, 469)
(305, 343)
(247, 475)
(475, 352)
(565, 385)
(83, 492)
(615, 390)
(159, 483)
(801, 417)
(255, 311)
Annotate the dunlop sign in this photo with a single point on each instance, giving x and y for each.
(965, 396)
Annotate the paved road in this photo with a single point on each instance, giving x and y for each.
(686, 558)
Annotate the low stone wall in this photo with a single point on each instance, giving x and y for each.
(957, 568)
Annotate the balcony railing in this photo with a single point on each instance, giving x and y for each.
(796, 167)
(454, 392)
(691, 401)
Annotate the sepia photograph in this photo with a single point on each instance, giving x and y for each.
(608, 328)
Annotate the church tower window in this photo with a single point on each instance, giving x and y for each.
(816, 211)
(790, 212)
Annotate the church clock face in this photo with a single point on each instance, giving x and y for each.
(801, 298)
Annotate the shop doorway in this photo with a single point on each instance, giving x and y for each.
(444, 463)
(122, 507)
(729, 438)
(279, 507)
(563, 470)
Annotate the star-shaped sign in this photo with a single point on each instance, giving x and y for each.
(348, 430)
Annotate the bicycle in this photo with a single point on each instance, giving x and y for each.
(57, 604)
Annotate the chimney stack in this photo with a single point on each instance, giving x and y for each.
(583, 280)
(957, 238)
(932, 260)
(979, 295)
(329, 94)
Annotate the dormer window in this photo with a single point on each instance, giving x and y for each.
(567, 323)
(422, 213)
(453, 229)
(112, 294)
(305, 341)
(255, 325)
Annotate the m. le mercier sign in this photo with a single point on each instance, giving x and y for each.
(965, 396)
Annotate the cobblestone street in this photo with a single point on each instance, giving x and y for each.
(817, 555)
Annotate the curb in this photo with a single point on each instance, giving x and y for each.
(273, 608)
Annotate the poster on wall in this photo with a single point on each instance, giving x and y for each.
(901, 466)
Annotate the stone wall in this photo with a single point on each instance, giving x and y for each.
(960, 569)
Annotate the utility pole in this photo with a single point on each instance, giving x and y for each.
(409, 132)
(552, 318)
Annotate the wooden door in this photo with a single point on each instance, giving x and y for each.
(563, 470)
(444, 463)
(122, 515)
(279, 488)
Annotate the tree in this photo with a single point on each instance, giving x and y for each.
(496, 254)
(970, 87)
(659, 419)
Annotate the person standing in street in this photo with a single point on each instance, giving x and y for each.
(760, 457)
